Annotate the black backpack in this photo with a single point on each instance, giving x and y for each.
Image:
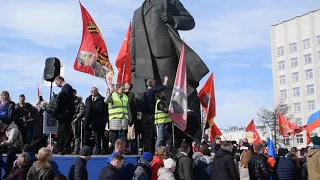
(142, 103)
(53, 105)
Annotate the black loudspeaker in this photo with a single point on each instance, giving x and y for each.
(52, 69)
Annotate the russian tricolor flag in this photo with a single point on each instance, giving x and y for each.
(271, 152)
(313, 123)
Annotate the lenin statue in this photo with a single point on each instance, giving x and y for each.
(155, 49)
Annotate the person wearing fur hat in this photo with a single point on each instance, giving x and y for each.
(313, 157)
(143, 171)
(78, 169)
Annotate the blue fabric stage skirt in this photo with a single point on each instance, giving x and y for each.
(94, 166)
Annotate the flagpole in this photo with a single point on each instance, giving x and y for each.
(206, 119)
(173, 136)
(124, 66)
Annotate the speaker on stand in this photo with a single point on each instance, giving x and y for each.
(51, 71)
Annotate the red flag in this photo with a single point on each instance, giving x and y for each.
(255, 138)
(286, 128)
(178, 103)
(93, 55)
(214, 131)
(123, 60)
(207, 99)
(38, 90)
(300, 129)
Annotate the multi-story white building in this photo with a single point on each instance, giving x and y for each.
(295, 47)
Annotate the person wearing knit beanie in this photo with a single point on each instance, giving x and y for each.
(147, 156)
(143, 171)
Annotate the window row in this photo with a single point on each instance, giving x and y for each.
(294, 48)
(311, 106)
(295, 62)
(296, 76)
(296, 91)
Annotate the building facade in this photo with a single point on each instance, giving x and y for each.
(235, 133)
(295, 48)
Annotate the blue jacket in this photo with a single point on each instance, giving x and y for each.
(285, 169)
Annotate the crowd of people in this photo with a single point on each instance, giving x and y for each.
(106, 122)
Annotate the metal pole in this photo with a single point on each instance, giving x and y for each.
(50, 138)
(81, 133)
(173, 141)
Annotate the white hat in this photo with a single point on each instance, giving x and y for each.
(169, 163)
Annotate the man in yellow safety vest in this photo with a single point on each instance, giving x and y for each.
(119, 113)
(162, 120)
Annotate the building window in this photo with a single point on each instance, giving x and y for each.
(297, 107)
(281, 51)
(318, 38)
(283, 94)
(282, 65)
(293, 47)
(294, 62)
(299, 138)
(309, 74)
(283, 79)
(307, 59)
(312, 105)
(295, 77)
(296, 92)
(299, 121)
(310, 89)
(306, 43)
(286, 141)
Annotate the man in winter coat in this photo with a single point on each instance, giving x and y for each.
(143, 171)
(78, 170)
(111, 171)
(166, 173)
(95, 120)
(184, 165)
(64, 117)
(223, 164)
(76, 123)
(215, 145)
(21, 115)
(11, 146)
(313, 159)
(285, 166)
(257, 165)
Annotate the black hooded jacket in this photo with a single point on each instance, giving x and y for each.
(224, 166)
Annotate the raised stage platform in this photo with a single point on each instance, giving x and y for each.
(94, 166)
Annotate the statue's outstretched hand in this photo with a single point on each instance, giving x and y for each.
(167, 18)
